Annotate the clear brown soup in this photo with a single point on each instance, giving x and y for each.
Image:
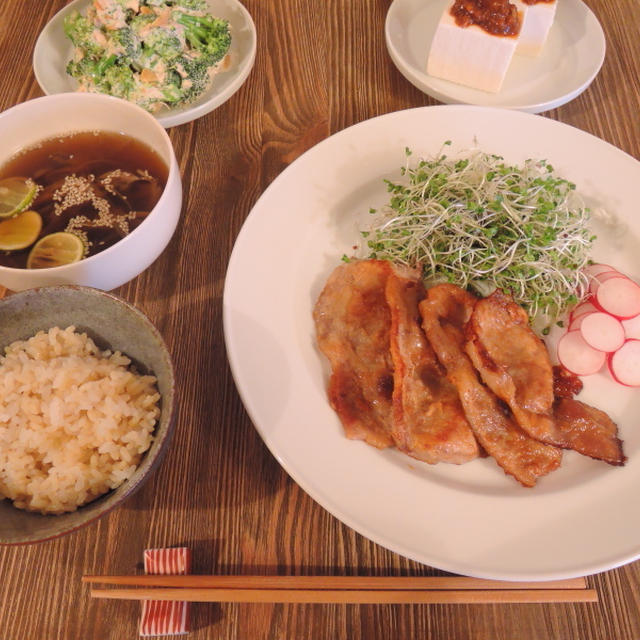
(100, 185)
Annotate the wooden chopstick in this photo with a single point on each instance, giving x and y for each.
(351, 596)
(340, 589)
(331, 582)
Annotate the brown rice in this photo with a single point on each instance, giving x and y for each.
(74, 420)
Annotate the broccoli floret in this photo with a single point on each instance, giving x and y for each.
(172, 91)
(196, 5)
(79, 30)
(139, 22)
(106, 75)
(196, 78)
(117, 80)
(79, 69)
(208, 35)
(164, 42)
(93, 67)
(127, 39)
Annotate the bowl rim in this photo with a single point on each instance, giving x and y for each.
(142, 472)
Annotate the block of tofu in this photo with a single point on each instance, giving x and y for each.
(536, 23)
(469, 55)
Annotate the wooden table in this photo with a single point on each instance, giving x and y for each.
(321, 66)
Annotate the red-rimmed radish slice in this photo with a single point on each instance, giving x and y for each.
(619, 296)
(624, 364)
(602, 331)
(577, 356)
(582, 308)
(576, 322)
(593, 270)
(632, 327)
(602, 277)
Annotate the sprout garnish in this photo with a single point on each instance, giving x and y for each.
(482, 224)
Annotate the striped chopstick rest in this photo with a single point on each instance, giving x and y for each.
(163, 618)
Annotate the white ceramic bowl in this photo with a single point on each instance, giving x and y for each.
(28, 123)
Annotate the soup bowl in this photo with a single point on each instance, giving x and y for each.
(31, 122)
(112, 323)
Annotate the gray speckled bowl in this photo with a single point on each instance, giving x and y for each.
(114, 324)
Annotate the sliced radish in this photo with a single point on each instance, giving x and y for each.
(576, 322)
(624, 364)
(582, 308)
(619, 296)
(602, 331)
(632, 327)
(602, 277)
(593, 270)
(577, 356)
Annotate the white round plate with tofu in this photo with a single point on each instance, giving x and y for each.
(569, 61)
(53, 51)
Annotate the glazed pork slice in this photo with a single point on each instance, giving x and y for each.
(588, 430)
(352, 323)
(565, 383)
(428, 420)
(501, 329)
(514, 363)
(585, 429)
(445, 312)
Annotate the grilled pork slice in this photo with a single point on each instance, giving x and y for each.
(428, 420)
(445, 312)
(588, 431)
(565, 383)
(514, 363)
(501, 330)
(352, 323)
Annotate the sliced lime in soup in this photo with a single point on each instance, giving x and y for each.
(56, 250)
(21, 231)
(16, 194)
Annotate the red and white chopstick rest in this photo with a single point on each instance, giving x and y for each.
(163, 617)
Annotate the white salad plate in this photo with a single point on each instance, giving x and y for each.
(53, 51)
(470, 519)
(570, 60)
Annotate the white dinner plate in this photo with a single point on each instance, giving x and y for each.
(570, 60)
(53, 50)
(470, 519)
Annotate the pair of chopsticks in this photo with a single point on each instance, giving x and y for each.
(339, 589)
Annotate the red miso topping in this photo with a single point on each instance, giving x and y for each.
(497, 17)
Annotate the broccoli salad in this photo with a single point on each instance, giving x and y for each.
(152, 52)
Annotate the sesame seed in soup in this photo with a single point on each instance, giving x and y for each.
(98, 185)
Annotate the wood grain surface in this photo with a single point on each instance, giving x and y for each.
(321, 66)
